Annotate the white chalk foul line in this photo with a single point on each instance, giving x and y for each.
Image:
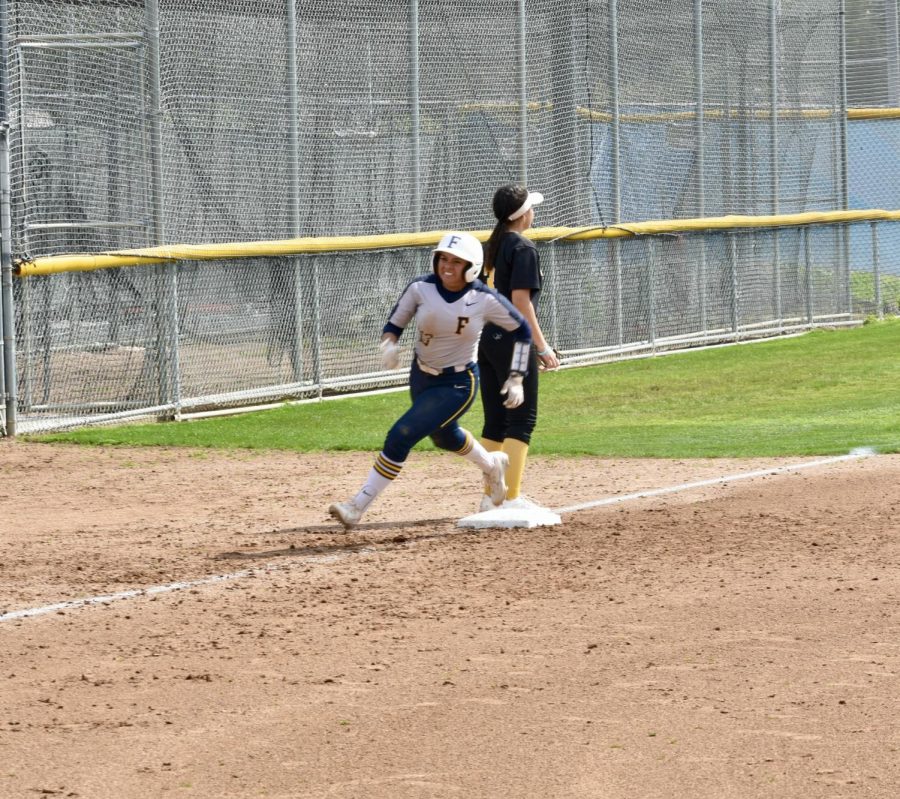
(220, 578)
(155, 589)
(102, 600)
(655, 492)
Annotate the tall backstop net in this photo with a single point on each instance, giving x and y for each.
(160, 123)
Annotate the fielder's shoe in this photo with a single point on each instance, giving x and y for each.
(346, 513)
(521, 503)
(496, 477)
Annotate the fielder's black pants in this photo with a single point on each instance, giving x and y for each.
(494, 357)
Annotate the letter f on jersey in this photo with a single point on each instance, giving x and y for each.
(461, 322)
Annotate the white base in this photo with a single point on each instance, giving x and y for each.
(511, 517)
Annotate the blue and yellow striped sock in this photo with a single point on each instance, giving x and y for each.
(382, 474)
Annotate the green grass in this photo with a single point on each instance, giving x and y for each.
(826, 392)
(862, 285)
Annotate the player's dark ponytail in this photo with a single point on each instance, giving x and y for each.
(507, 200)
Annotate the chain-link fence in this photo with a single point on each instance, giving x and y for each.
(135, 123)
(126, 341)
(164, 121)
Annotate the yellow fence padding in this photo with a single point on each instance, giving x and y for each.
(52, 264)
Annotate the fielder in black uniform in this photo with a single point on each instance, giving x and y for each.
(512, 267)
(450, 307)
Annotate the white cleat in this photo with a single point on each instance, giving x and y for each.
(486, 504)
(346, 513)
(496, 477)
(521, 503)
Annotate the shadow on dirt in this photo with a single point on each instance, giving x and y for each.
(349, 541)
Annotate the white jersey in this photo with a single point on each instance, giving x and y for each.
(449, 324)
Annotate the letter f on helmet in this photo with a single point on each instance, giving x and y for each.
(462, 245)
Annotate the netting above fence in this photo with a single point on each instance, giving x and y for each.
(178, 121)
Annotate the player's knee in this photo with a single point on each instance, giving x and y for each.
(493, 432)
(521, 431)
(444, 441)
(398, 443)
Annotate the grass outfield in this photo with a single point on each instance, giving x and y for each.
(822, 393)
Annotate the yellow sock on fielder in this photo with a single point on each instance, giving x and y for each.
(518, 453)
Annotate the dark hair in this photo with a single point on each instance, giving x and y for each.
(507, 200)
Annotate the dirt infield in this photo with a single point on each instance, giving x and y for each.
(734, 641)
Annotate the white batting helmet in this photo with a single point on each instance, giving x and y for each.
(462, 245)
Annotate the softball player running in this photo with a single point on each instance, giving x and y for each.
(512, 267)
(450, 307)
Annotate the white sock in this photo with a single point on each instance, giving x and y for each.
(380, 477)
(477, 454)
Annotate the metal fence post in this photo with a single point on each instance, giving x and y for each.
(735, 287)
(8, 383)
(876, 272)
(169, 368)
(293, 89)
(26, 336)
(893, 52)
(651, 259)
(843, 154)
(701, 156)
(317, 327)
(293, 116)
(414, 109)
(523, 97)
(616, 166)
(773, 146)
(554, 295)
(807, 260)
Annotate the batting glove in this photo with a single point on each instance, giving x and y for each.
(390, 354)
(513, 391)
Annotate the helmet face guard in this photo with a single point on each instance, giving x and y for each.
(461, 245)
